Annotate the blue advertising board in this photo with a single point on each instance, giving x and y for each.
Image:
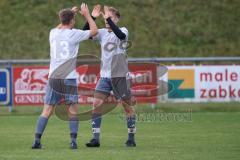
(5, 87)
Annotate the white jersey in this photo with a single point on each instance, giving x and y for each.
(113, 53)
(64, 45)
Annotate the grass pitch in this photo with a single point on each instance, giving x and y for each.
(206, 135)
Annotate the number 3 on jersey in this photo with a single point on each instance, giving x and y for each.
(64, 49)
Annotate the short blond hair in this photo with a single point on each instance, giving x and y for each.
(115, 11)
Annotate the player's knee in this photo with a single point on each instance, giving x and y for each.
(46, 114)
(47, 111)
(128, 107)
(72, 111)
(129, 110)
(97, 102)
(129, 102)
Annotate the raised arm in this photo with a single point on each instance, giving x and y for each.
(92, 25)
(113, 26)
(86, 25)
(116, 29)
(95, 14)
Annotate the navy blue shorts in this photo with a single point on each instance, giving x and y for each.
(61, 89)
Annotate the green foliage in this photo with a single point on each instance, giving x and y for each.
(157, 28)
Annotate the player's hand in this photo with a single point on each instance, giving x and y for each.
(96, 11)
(84, 10)
(75, 9)
(106, 13)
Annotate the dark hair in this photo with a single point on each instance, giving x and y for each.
(115, 11)
(65, 16)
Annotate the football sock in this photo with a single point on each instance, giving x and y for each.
(73, 126)
(96, 124)
(131, 121)
(41, 125)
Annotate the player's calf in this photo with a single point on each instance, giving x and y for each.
(131, 123)
(41, 125)
(96, 121)
(73, 124)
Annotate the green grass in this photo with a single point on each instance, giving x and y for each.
(158, 28)
(141, 108)
(208, 135)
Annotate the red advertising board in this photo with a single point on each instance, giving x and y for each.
(144, 82)
(30, 82)
(29, 85)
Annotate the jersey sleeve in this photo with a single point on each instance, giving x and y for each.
(125, 31)
(80, 35)
(99, 36)
(51, 35)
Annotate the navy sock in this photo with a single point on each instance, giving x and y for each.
(96, 124)
(73, 137)
(73, 126)
(41, 125)
(131, 124)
